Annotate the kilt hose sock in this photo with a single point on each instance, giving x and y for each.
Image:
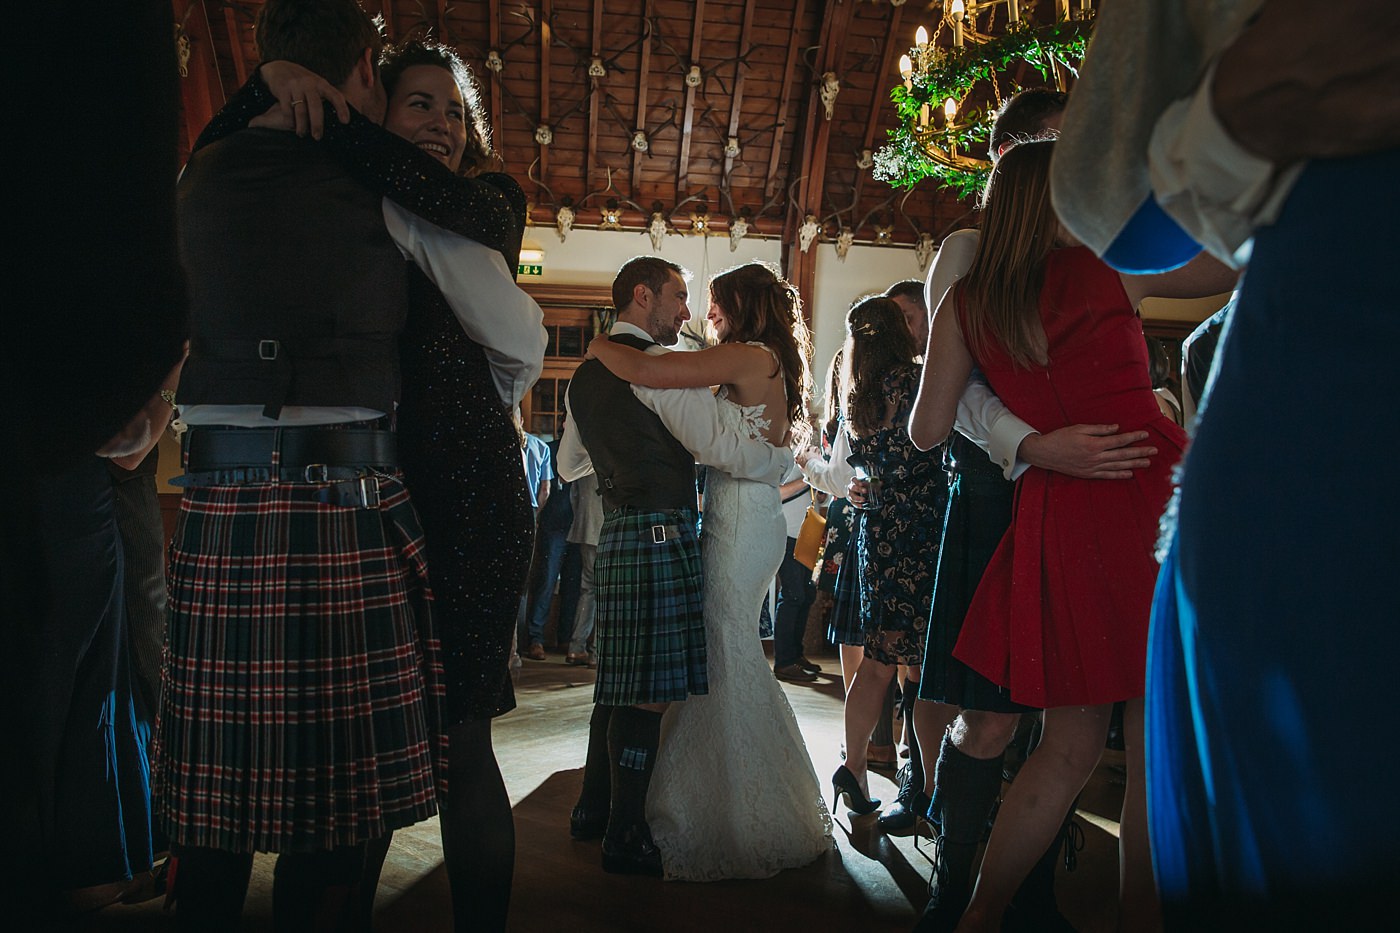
(633, 737)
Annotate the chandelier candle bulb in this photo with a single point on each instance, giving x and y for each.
(921, 37)
(906, 71)
(955, 10)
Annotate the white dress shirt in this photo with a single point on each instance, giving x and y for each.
(692, 417)
(482, 294)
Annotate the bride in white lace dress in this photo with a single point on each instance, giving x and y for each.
(734, 794)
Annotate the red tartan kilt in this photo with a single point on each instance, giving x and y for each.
(302, 684)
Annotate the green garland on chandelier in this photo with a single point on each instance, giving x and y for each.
(953, 73)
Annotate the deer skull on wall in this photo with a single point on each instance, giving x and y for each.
(844, 240)
(830, 87)
(564, 219)
(657, 229)
(807, 233)
(738, 229)
(923, 250)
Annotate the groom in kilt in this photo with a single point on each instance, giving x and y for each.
(650, 631)
(302, 678)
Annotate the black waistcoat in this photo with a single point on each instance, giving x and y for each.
(638, 462)
(297, 292)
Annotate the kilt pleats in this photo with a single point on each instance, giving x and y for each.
(302, 687)
(650, 625)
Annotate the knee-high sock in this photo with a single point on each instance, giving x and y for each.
(597, 767)
(633, 737)
(210, 885)
(967, 788)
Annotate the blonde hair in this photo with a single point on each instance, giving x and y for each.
(1000, 294)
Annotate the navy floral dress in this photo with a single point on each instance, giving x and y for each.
(896, 548)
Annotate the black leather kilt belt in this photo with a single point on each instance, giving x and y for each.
(349, 457)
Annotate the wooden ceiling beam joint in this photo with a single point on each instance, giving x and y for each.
(643, 71)
(737, 102)
(688, 121)
(546, 38)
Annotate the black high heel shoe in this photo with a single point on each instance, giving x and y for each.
(844, 782)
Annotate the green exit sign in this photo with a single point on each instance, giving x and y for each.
(524, 269)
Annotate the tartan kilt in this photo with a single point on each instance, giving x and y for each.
(844, 625)
(302, 679)
(650, 624)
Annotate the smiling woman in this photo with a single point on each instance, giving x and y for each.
(433, 104)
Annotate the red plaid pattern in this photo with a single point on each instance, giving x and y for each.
(302, 676)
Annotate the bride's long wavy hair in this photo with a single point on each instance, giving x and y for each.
(761, 305)
(877, 341)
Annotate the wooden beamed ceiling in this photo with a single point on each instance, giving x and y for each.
(680, 105)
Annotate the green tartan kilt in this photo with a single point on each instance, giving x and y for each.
(650, 628)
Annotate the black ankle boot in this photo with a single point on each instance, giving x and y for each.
(629, 850)
(910, 804)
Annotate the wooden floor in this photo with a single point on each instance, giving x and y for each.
(870, 882)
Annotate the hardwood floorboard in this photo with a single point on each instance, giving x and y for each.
(869, 882)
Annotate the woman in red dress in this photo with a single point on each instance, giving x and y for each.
(1060, 617)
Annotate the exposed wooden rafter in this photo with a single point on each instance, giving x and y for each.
(790, 69)
(546, 39)
(596, 50)
(760, 61)
(235, 42)
(494, 79)
(737, 101)
(688, 120)
(800, 266)
(202, 92)
(892, 49)
(643, 71)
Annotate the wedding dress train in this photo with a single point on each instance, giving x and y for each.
(734, 794)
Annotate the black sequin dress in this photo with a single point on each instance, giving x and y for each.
(459, 450)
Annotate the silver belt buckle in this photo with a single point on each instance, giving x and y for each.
(369, 491)
(658, 534)
(316, 473)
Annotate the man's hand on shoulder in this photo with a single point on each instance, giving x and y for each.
(1088, 451)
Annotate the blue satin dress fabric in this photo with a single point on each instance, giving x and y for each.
(1276, 630)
